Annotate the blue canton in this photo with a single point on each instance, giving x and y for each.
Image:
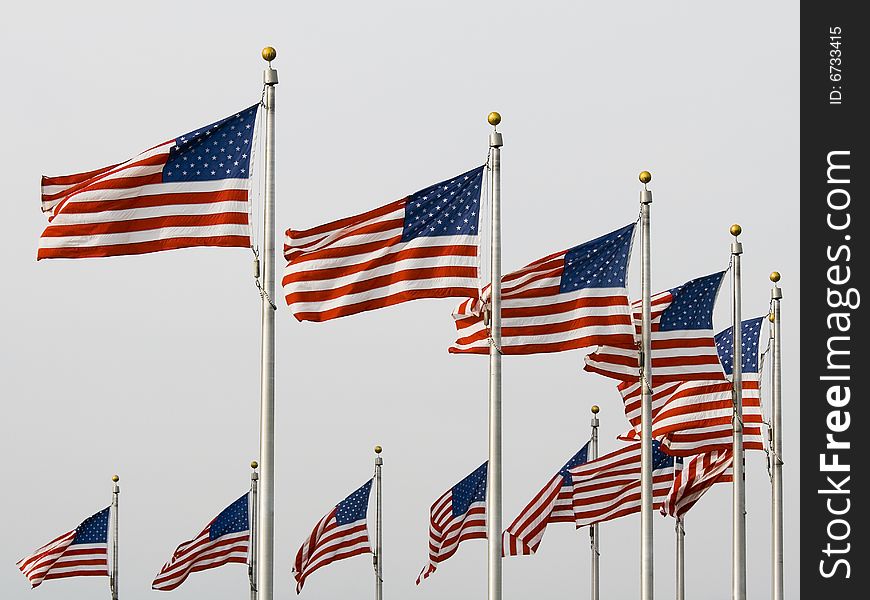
(470, 490)
(660, 460)
(578, 459)
(354, 507)
(94, 529)
(750, 331)
(233, 519)
(448, 208)
(601, 263)
(221, 150)
(692, 306)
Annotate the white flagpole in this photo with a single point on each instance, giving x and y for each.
(266, 509)
(252, 523)
(778, 581)
(113, 579)
(593, 529)
(378, 557)
(681, 558)
(646, 487)
(493, 491)
(738, 537)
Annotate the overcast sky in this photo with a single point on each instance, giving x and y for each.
(149, 366)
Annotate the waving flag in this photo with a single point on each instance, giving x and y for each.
(458, 515)
(571, 299)
(609, 487)
(342, 533)
(422, 246)
(81, 552)
(696, 416)
(553, 504)
(682, 337)
(189, 191)
(224, 540)
(698, 475)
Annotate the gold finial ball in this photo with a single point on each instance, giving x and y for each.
(115, 478)
(736, 230)
(595, 409)
(645, 177)
(378, 449)
(775, 276)
(493, 118)
(269, 53)
(254, 464)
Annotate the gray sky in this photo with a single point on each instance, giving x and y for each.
(148, 366)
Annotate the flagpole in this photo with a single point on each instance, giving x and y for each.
(378, 557)
(252, 522)
(738, 537)
(266, 497)
(778, 581)
(646, 488)
(493, 492)
(113, 580)
(681, 559)
(593, 529)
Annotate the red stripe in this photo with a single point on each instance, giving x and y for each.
(76, 178)
(226, 241)
(529, 280)
(352, 309)
(524, 349)
(381, 282)
(291, 252)
(348, 221)
(51, 575)
(627, 339)
(670, 344)
(380, 261)
(116, 183)
(147, 224)
(153, 200)
(551, 308)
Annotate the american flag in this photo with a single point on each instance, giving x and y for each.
(458, 515)
(609, 487)
(682, 337)
(696, 416)
(422, 246)
(553, 504)
(342, 533)
(698, 475)
(224, 540)
(567, 300)
(189, 191)
(81, 552)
